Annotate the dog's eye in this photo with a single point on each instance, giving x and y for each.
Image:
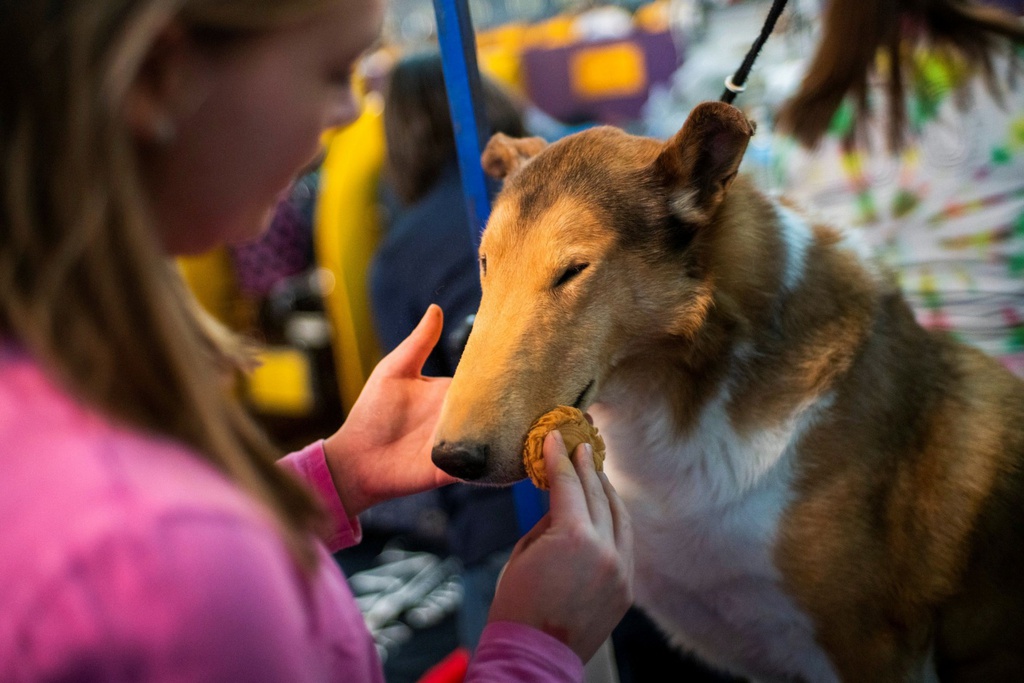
(483, 265)
(570, 272)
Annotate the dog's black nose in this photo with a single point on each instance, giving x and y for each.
(465, 461)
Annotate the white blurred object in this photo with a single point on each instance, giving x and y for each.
(603, 23)
(687, 17)
(408, 590)
(781, 80)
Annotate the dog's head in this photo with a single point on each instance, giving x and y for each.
(591, 252)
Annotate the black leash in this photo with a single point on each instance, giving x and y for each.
(734, 84)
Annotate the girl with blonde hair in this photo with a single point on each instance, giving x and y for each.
(150, 530)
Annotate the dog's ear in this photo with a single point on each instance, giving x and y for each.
(699, 162)
(504, 156)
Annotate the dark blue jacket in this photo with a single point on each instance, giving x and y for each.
(427, 256)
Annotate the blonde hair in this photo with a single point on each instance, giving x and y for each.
(855, 31)
(85, 286)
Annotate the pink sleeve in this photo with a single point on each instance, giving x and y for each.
(509, 651)
(206, 598)
(310, 465)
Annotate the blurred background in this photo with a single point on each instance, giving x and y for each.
(375, 230)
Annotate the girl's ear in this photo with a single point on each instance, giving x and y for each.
(505, 156)
(153, 99)
(698, 163)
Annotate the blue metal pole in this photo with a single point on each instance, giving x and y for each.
(462, 83)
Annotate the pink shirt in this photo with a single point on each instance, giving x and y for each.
(124, 557)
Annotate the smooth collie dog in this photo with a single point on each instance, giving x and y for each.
(821, 490)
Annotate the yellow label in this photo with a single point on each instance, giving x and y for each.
(617, 70)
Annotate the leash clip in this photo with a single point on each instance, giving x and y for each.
(732, 87)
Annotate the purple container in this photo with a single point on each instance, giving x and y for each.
(565, 83)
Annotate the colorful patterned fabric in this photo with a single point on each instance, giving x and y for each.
(285, 248)
(946, 214)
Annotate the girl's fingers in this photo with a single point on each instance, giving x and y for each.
(621, 525)
(408, 357)
(593, 490)
(567, 499)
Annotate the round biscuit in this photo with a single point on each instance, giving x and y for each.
(575, 429)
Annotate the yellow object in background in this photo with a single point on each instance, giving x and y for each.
(653, 17)
(616, 70)
(554, 32)
(347, 231)
(499, 53)
(211, 277)
(282, 384)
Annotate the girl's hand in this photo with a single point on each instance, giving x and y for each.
(571, 576)
(382, 451)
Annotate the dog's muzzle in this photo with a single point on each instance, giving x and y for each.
(465, 461)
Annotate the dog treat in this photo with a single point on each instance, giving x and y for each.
(575, 430)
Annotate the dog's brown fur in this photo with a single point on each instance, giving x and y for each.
(902, 536)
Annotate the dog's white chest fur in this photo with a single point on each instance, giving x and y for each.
(706, 508)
